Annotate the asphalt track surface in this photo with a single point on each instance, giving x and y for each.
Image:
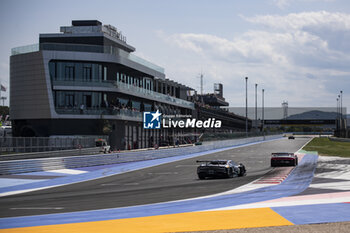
(167, 182)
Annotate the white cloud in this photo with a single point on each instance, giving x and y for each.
(290, 54)
(4, 67)
(299, 21)
(282, 4)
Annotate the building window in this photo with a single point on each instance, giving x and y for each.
(104, 73)
(87, 100)
(69, 100)
(53, 70)
(87, 77)
(69, 73)
(159, 87)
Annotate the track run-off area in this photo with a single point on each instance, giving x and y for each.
(166, 195)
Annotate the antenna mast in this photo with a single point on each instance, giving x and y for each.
(201, 80)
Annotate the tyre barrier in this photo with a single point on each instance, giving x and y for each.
(45, 164)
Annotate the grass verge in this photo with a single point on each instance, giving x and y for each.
(324, 146)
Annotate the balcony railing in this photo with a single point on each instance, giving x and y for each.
(80, 83)
(129, 89)
(86, 48)
(159, 96)
(25, 49)
(100, 111)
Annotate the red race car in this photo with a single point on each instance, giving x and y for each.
(283, 159)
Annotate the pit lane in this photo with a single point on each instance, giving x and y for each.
(168, 182)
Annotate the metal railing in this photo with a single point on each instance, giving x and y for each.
(25, 49)
(148, 93)
(129, 88)
(101, 111)
(79, 83)
(9, 145)
(235, 135)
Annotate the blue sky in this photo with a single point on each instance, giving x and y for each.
(297, 50)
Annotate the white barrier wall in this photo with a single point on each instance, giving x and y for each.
(44, 164)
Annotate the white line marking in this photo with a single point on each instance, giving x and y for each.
(163, 173)
(120, 184)
(109, 184)
(287, 203)
(37, 208)
(68, 171)
(343, 185)
(132, 184)
(187, 165)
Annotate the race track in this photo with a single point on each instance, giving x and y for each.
(162, 183)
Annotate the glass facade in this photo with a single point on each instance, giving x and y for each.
(77, 71)
(96, 102)
(75, 99)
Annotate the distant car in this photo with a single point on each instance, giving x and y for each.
(291, 137)
(284, 159)
(220, 168)
(104, 147)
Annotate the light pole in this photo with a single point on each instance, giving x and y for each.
(246, 106)
(341, 105)
(337, 118)
(263, 91)
(256, 106)
(337, 110)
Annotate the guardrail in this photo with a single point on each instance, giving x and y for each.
(11, 145)
(44, 164)
(50, 154)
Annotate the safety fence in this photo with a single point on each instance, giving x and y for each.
(44, 164)
(9, 145)
(215, 136)
(51, 154)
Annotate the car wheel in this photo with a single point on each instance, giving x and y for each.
(241, 170)
(201, 176)
(230, 173)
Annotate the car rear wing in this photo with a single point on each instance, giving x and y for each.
(282, 153)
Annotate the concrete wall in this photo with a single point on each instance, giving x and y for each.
(29, 97)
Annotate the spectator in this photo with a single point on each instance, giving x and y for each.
(82, 108)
